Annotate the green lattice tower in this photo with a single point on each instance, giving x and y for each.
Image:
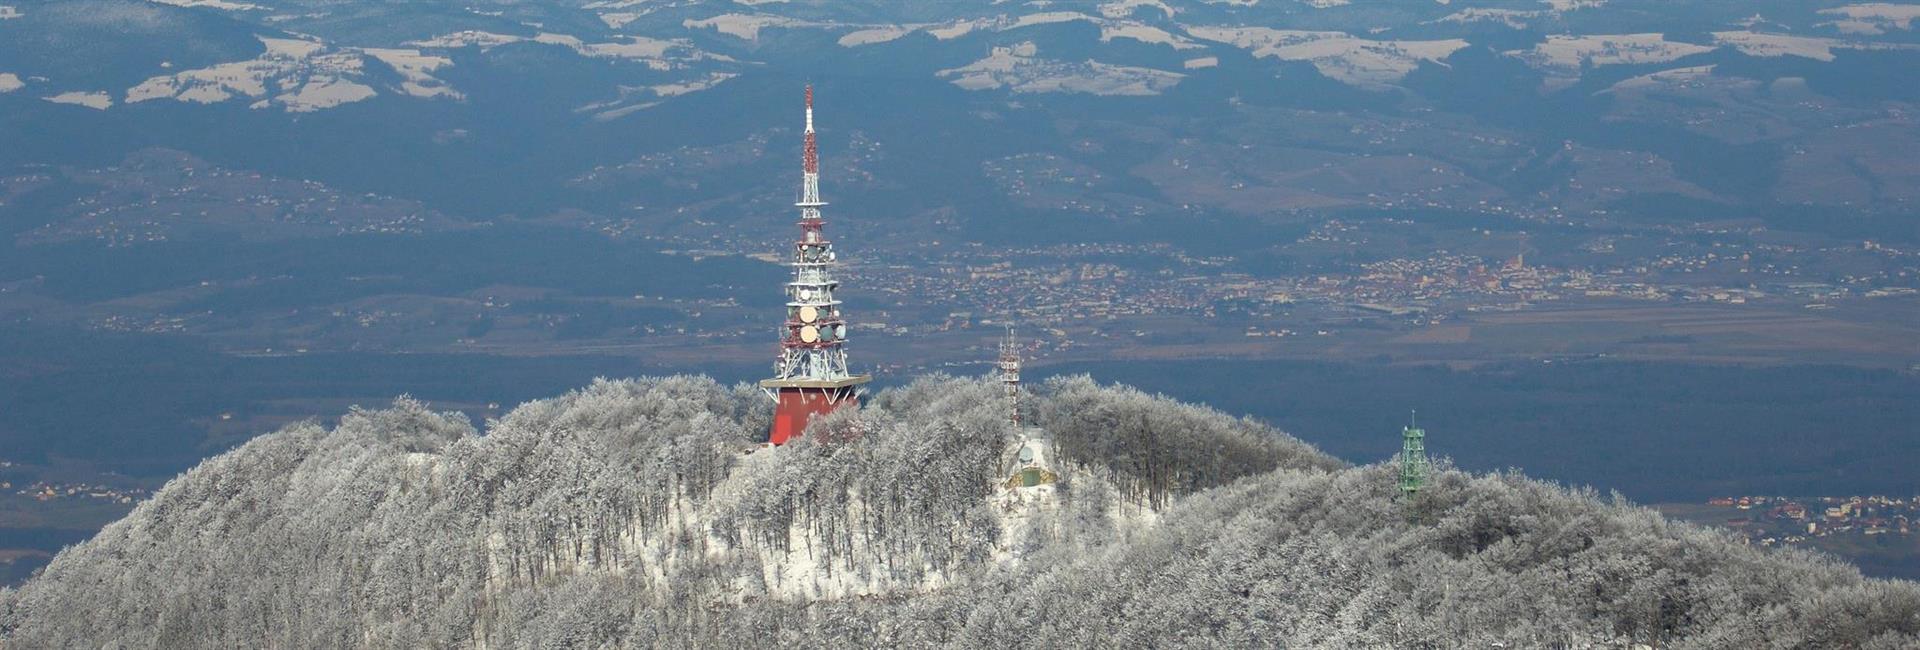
(1413, 458)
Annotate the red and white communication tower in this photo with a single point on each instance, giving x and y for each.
(811, 376)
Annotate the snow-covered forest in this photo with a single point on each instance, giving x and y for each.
(642, 514)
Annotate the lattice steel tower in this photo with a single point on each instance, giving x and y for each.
(1010, 374)
(1413, 458)
(811, 377)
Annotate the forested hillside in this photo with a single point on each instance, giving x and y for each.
(641, 513)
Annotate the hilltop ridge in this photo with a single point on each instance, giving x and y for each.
(642, 513)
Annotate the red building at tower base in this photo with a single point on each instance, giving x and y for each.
(798, 401)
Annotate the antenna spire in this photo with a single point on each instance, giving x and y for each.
(810, 156)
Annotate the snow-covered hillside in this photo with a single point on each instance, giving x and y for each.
(640, 513)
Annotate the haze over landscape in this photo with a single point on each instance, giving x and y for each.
(1664, 252)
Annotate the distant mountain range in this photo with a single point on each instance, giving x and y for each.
(1646, 107)
(698, 44)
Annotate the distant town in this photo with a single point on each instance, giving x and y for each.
(1778, 520)
(45, 491)
(42, 490)
(1092, 296)
(1430, 275)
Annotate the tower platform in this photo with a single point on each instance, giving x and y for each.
(801, 382)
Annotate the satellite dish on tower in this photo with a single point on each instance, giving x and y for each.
(809, 334)
(809, 314)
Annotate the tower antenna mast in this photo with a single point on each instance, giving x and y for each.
(1010, 374)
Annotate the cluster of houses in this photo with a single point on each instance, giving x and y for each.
(1784, 519)
(44, 491)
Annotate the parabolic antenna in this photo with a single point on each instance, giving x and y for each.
(809, 313)
(809, 334)
(840, 331)
(826, 333)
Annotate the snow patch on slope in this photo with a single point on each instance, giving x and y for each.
(1512, 18)
(299, 76)
(1563, 6)
(1043, 18)
(748, 27)
(1110, 29)
(1873, 17)
(10, 82)
(872, 35)
(1812, 47)
(954, 30)
(10, 12)
(317, 93)
(96, 100)
(1125, 8)
(1338, 55)
(468, 38)
(651, 96)
(1017, 68)
(1563, 55)
(418, 70)
(659, 54)
(211, 4)
(677, 89)
(1665, 79)
(619, 19)
(1145, 34)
